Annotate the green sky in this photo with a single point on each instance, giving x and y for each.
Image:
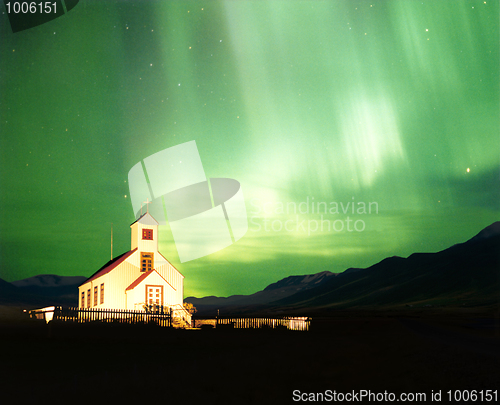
(391, 102)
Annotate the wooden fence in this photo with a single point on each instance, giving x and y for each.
(297, 323)
(159, 316)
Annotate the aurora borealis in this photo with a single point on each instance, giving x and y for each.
(341, 102)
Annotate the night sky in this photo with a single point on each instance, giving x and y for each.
(341, 102)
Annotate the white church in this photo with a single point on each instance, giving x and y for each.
(138, 278)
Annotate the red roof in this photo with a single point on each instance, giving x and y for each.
(139, 279)
(110, 266)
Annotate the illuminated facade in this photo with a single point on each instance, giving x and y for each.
(139, 277)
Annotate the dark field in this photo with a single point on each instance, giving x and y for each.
(398, 352)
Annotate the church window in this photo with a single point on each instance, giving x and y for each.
(88, 298)
(95, 296)
(82, 304)
(102, 293)
(147, 234)
(146, 261)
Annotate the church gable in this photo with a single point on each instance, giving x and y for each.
(150, 289)
(152, 277)
(162, 263)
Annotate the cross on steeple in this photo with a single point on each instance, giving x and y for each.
(147, 206)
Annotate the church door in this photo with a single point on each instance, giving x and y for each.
(154, 295)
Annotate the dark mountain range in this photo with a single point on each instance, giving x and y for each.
(273, 292)
(49, 281)
(42, 290)
(466, 274)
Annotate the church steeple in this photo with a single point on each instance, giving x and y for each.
(144, 235)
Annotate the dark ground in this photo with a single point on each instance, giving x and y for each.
(405, 352)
